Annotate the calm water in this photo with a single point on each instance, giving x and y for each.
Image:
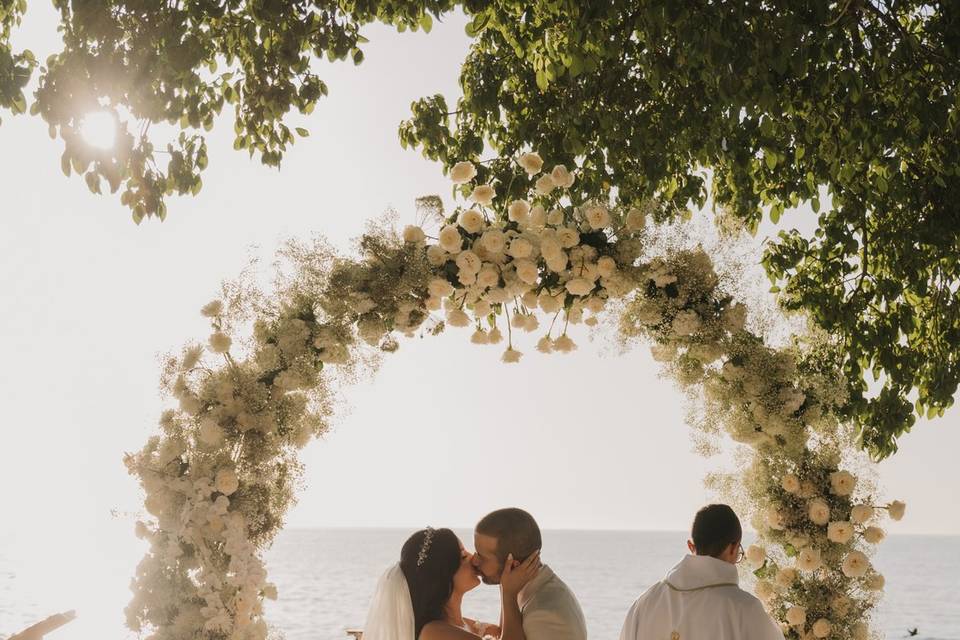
(325, 579)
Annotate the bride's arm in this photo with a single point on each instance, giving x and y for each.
(512, 581)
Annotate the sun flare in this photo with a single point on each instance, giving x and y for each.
(99, 129)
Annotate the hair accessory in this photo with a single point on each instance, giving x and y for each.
(425, 547)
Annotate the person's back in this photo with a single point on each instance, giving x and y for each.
(700, 598)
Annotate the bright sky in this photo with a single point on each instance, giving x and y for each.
(440, 436)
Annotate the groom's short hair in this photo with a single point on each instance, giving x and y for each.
(715, 528)
(515, 530)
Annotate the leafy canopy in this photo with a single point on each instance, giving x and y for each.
(851, 106)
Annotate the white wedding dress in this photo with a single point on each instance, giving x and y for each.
(391, 610)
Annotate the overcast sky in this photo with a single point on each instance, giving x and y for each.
(441, 435)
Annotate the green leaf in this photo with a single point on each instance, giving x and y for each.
(303, 133)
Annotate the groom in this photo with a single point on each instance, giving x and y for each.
(700, 597)
(550, 610)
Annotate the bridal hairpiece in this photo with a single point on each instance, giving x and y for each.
(425, 547)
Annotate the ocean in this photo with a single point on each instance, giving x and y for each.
(325, 578)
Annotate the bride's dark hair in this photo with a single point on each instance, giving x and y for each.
(431, 583)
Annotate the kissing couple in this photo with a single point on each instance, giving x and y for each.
(420, 597)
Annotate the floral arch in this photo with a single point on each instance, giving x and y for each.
(222, 472)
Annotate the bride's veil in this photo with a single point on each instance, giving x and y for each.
(391, 610)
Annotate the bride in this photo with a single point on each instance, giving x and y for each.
(420, 597)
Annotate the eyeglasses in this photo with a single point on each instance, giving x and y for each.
(741, 554)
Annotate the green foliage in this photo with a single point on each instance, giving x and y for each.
(778, 100)
(182, 63)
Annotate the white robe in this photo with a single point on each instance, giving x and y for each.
(550, 610)
(700, 599)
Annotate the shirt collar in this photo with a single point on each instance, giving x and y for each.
(531, 588)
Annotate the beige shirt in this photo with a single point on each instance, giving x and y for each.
(550, 610)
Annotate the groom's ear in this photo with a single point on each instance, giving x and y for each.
(691, 547)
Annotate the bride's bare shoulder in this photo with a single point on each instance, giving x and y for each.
(439, 630)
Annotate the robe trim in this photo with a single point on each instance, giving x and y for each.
(706, 586)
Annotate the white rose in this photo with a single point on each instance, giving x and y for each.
(440, 288)
(606, 266)
(450, 239)
(862, 513)
(212, 309)
(764, 590)
(549, 303)
(557, 263)
(874, 535)
(896, 509)
(822, 628)
(413, 234)
(531, 162)
(555, 217)
(809, 560)
(471, 220)
(488, 277)
(520, 248)
(819, 512)
(636, 220)
(527, 271)
(860, 631)
(463, 172)
(226, 481)
(796, 616)
(756, 555)
(842, 483)
(855, 565)
(790, 483)
(579, 286)
(568, 237)
(564, 344)
(876, 582)
(436, 255)
(840, 532)
(545, 184)
(469, 262)
(519, 211)
(493, 240)
(538, 217)
(511, 356)
(483, 194)
(562, 177)
(786, 577)
(457, 318)
(597, 217)
(220, 342)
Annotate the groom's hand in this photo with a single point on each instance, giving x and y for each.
(37, 631)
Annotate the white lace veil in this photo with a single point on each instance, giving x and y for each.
(391, 610)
